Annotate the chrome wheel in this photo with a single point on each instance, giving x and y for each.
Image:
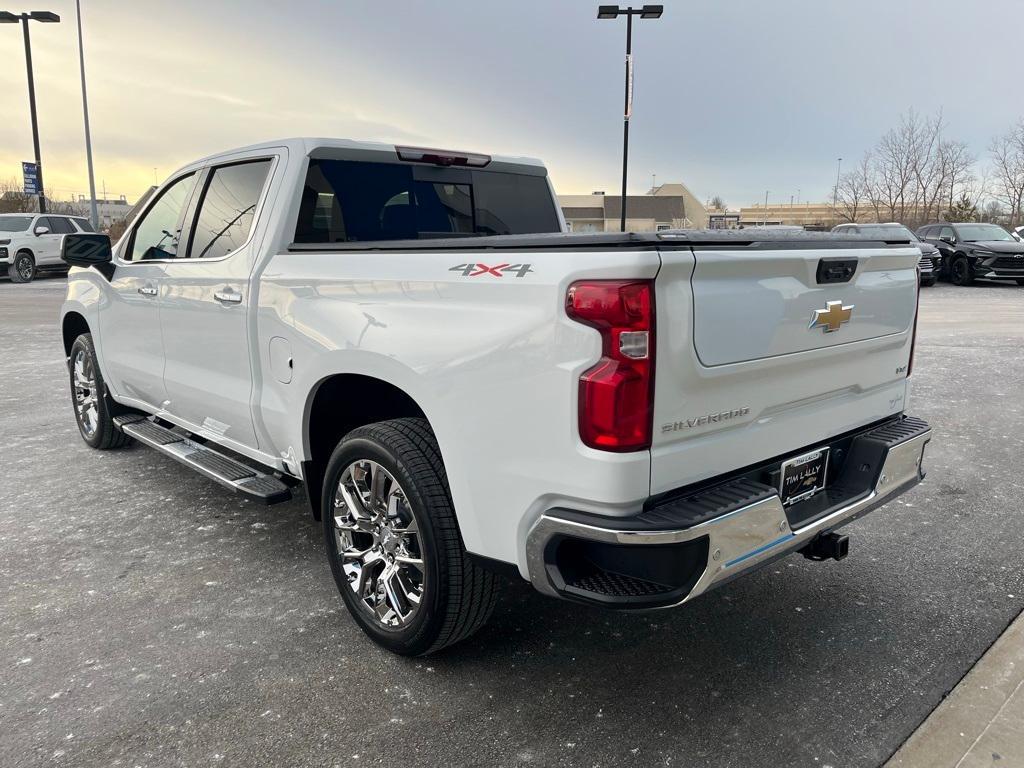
(378, 543)
(25, 267)
(83, 378)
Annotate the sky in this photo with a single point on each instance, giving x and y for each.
(732, 98)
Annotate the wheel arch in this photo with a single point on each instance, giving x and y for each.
(73, 325)
(324, 423)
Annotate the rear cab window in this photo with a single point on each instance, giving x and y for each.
(359, 201)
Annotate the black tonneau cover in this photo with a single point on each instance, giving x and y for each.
(678, 238)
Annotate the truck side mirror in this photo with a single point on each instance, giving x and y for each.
(41, 231)
(86, 250)
(948, 239)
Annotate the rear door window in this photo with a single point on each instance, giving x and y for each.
(228, 208)
(351, 201)
(60, 226)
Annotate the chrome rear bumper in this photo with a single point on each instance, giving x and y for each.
(738, 541)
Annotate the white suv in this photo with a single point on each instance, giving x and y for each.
(30, 242)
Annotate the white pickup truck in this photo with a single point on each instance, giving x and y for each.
(465, 390)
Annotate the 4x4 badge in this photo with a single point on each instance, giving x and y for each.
(832, 317)
(498, 270)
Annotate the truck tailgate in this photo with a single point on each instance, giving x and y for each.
(758, 304)
(758, 355)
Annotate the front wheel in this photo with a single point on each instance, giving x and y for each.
(962, 271)
(23, 270)
(394, 544)
(88, 396)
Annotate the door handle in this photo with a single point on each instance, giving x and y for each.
(147, 290)
(228, 296)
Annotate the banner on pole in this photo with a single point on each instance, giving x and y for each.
(30, 172)
(629, 86)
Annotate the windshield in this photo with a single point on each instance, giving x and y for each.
(973, 232)
(14, 223)
(888, 232)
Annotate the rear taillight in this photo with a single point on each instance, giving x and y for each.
(616, 395)
(917, 311)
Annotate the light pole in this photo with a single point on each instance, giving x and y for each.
(612, 12)
(764, 219)
(24, 18)
(93, 214)
(835, 192)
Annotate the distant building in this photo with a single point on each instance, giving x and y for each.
(108, 211)
(723, 219)
(668, 206)
(813, 216)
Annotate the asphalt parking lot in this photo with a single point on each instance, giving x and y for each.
(149, 617)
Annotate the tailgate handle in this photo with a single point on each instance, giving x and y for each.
(836, 271)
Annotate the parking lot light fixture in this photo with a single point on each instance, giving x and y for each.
(46, 17)
(613, 12)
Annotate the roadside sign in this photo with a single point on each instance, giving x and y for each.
(30, 171)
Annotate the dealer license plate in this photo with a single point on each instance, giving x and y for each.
(803, 476)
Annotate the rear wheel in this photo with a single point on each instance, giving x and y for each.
(23, 269)
(394, 544)
(961, 271)
(93, 407)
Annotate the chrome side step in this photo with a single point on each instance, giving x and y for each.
(204, 460)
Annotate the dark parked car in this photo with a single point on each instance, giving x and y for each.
(893, 231)
(971, 250)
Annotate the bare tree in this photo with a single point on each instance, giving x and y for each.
(718, 203)
(855, 191)
(913, 174)
(14, 200)
(1007, 153)
(895, 160)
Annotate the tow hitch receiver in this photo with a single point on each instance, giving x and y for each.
(828, 545)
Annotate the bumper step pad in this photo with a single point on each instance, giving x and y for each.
(213, 464)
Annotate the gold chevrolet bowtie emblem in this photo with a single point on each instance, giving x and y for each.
(832, 317)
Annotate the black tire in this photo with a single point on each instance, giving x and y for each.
(99, 431)
(457, 595)
(929, 280)
(1020, 281)
(23, 268)
(960, 271)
